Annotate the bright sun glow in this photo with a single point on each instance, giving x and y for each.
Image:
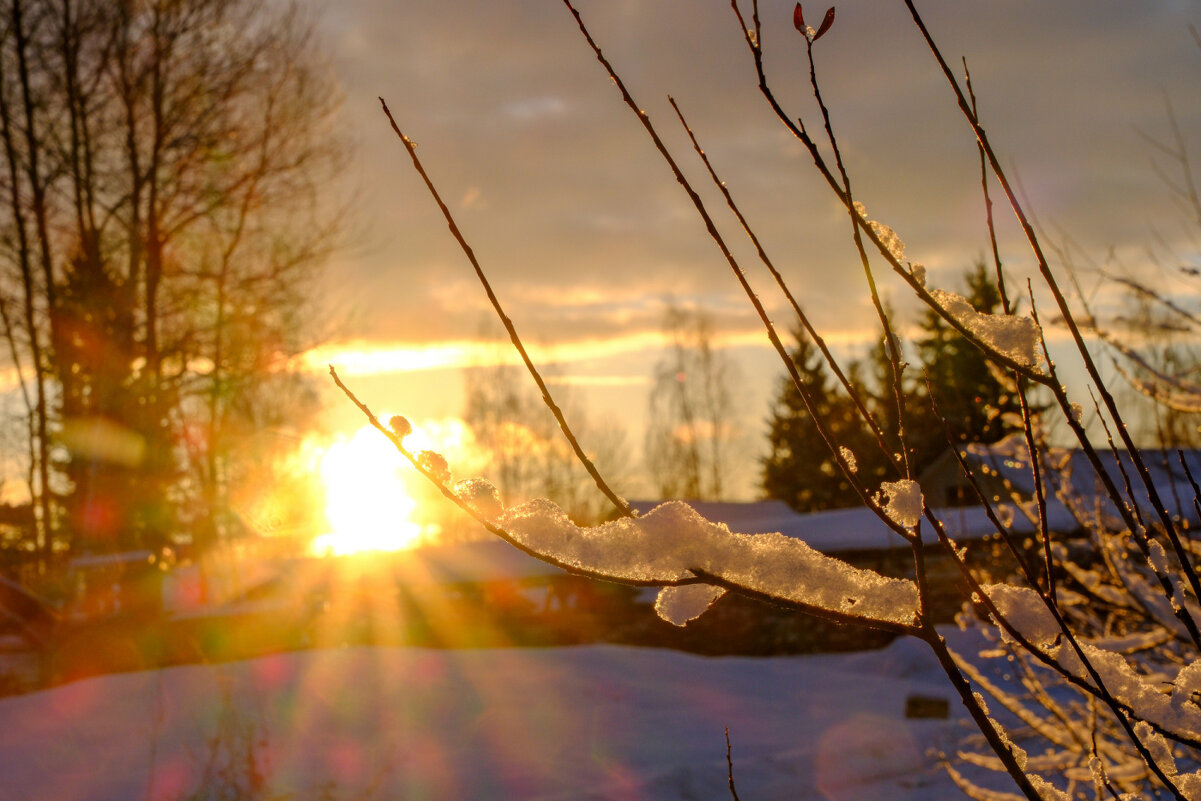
(366, 502)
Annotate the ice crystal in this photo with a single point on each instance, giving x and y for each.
(480, 495)
(1016, 338)
(849, 457)
(435, 464)
(902, 501)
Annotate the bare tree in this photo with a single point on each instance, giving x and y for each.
(525, 449)
(693, 425)
(164, 163)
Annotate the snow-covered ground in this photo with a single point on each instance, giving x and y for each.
(592, 722)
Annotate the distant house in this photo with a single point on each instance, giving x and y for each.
(28, 626)
(1074, 488)
(115, 584)
(490, 590)
(857, 536)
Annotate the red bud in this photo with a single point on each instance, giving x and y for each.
(798, 18)
(826, 23)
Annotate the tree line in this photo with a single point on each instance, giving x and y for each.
(695, 441)
(160, 219)
(955, 398)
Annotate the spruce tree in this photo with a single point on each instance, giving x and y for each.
(963, 399)
(974, 406)
(800, 468)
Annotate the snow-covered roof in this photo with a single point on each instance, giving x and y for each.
(469, 563)
(834, 530)
(1008, 460)
(90, 560)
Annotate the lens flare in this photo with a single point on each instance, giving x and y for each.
(366, 502)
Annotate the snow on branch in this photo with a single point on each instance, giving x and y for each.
(675, 547)
(674, 544)
(1141, 695)
(1015, 337)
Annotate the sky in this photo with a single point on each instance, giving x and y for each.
(586, 236)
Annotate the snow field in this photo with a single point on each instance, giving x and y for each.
(593, 722)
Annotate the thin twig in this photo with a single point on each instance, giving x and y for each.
(891, 341)
(797, 129)
(803, 318)
(601, 484)
(988, 205)
(730, 767)
(711, 227)
(1061, 301)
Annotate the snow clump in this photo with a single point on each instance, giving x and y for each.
(1026, 612)
(682, 603)
(919, 273)
(888, 237)
(480, 495)
(673, 544)
(1015, 338)
(902, 501)
(400, 426)
(435, 464)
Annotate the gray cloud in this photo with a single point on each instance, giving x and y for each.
(512, 112)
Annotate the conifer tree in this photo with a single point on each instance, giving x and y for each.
(800, 469)
(963, 399)
(972, 404)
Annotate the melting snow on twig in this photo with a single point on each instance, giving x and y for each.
(1014, 337)
(673, 543)
(902, 501)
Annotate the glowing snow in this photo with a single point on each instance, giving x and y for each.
(673, 543)
(902, 501)
(680, 604)
(888, 237)
(480, 495)
(1016, 338)
(435, 464)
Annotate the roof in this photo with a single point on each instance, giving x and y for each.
(1071, 471)
(469, 563)
(89, 560)
(31, 614)
(834, 530)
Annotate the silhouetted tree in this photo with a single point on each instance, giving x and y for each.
(969, 402)
(973, 404)
(525, 449)
(692, 424)
(800, 468)
(163, 162)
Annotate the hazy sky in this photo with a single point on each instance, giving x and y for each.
(586, 235)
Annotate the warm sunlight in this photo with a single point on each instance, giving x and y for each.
(366, 501)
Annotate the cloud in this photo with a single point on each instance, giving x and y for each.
(510, 106)
(584, 231)
(368, 357)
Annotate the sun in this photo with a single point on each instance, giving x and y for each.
(366, 502)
